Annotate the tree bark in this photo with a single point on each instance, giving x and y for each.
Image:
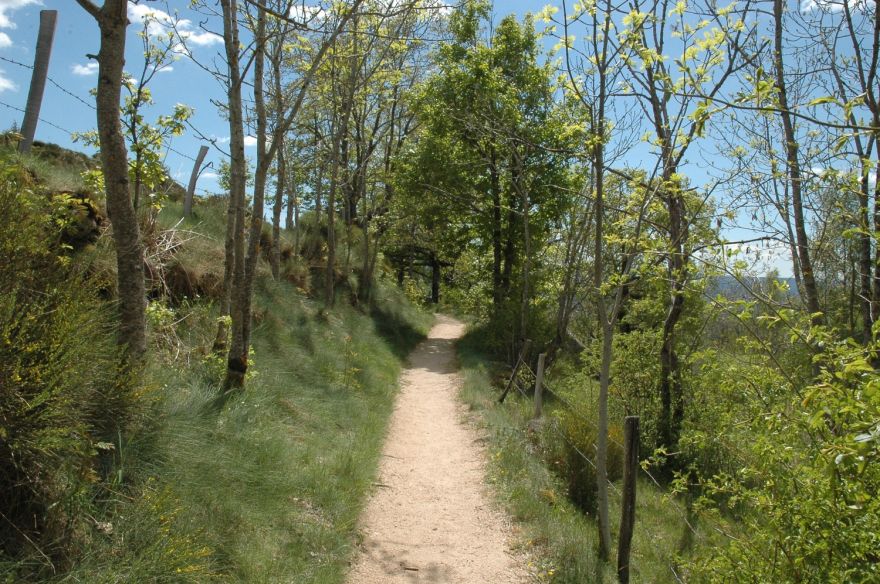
(339, 156)
(193, 179)
(811, 290)
(276, 215)
(495, 187)
(435, 279)
(113, 22)
(246, 267)
(234, 269)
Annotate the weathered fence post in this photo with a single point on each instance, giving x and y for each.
(628, 498)
(522, 356)
(193, 178)
(539, 387)
(38, 79)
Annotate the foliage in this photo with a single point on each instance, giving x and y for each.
(803, 480)
(558, 537)
(569, 441)
(61, 400)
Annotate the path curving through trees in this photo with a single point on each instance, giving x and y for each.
(430, 518)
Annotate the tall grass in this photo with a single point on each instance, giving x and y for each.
(269, 488)
(266, 488)
(560, 538)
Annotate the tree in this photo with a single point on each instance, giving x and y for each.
(491, 146)
(677, 100)
(244, 266)
(113, 22)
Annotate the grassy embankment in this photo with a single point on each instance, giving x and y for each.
(561, 538)
(269, 487)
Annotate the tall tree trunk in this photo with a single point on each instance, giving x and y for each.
(242, 298)
(509, 245)
(236, 365)
(288, 210)
(435, 279)
(605, 324)
(276, 215)
(339, 156)
(866, 268)
(495, 186)
(875, 299)
(293, 201)
(113, 22)
(330, 268)
(525, 204)
(811, 290)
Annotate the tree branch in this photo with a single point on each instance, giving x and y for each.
(91, 8)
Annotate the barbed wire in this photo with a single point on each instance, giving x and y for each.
(45, 121)
(53, 82)
(80, 100)
(565, 438)
(14, 62)
(681, 513)
(569, 406)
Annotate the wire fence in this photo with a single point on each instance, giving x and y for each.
(44, 120)
(75, 97)
(525, 377)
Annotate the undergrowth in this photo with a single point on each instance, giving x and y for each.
(561, 537)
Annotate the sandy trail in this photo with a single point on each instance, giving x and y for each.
(430, 519)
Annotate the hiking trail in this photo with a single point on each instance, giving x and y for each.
(430, 518)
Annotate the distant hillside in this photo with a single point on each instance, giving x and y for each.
(733, 289)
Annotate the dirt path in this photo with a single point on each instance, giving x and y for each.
(430, 519)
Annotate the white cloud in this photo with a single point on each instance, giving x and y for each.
(6, 84)
(250, 141)
(836, 5)
(166, 69)
(304, 14)
(5, 41)
(160, 23)
(210, 175)
(9, 6)
(90, 68)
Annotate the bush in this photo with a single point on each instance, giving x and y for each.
(59, 391)
(804, 487)
(574, 457)
(635, 376)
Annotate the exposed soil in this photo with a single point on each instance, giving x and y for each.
(430, 518)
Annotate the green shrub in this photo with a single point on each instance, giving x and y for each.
(805, 483)
(574, 456)
(60, 398)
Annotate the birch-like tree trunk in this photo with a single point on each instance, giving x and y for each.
(793, 167)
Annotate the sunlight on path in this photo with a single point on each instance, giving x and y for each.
(430, 519)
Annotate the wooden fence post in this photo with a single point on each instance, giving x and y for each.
(628, 497)
(522, 356)
(193, 178)
(38, 79)
(539, 387)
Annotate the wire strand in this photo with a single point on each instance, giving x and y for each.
(45, 121)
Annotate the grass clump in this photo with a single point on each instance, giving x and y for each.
(61, 395)
(527, 470)
(109, 478)
(269, 488)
